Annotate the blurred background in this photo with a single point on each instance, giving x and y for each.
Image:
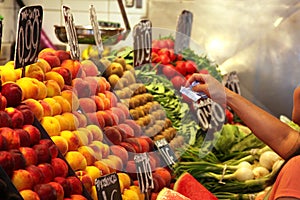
(259, 40)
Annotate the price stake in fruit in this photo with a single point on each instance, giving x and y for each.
(28, 35)
(71, 33)
(108, 187)
(233, 82)
(142, 41)
(210, 114)
(96, 30)
(166, 152)
(183, 31)
(144, 173)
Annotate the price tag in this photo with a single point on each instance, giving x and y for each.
(108, 187)
(97, 31)
(166, 152)
(233, 82)
(71, 33)
(1, 27)
(210, 114)
(142, 41)
(183, 31)
(144, 172)
(29, 29)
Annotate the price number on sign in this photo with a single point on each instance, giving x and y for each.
(142, 41)
(28, 35)
(210, 114)
(166, 152)
(108, 187)
(71, 33)
(144, 172)
(233, 82)
(183, 31)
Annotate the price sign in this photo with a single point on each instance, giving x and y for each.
(108, 187)
(97, 32)
(210, 114)
(1, 27)
(233, 82)
(142, 41)
(183, 31)
(71, 33)
(29, 28)
(166, 152)
(144, 172)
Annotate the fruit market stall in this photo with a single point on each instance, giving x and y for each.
(102, 126)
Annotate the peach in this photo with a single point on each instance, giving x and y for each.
(61, 143)
(11, 136)
(64, 124)
(34, 133)
(62, 55)
(165, 174)
(95, 119)
(93, 83)
(102, 166)
(104, 148)
(65, 184)
(60, 167)
(16, 117)
(48, 111)
(24, 137)
(89, 68)
(144, 144)
(3, 143)
(50, 57)
(136, 128)
(127, 129)
(87, 132)
(113, 116)
(99, 102)
(88, 153)
(13, 93)
(48, 171)
(93, 193)
(82, 119)
(35, 107)
(88, 105)
(64, 104)
(78, 197)
(45, 191)
(106, 101)
(86, 180)
(112, 165)
(7, 162)
(135, 143)
(59, 190)
(77, 187)
(74, 123)
(7, 74)
(53, 88)
(83, 139)
(51, 146)
(72, 98)
(131, 169)
(42, 152)
(119, 151)
(125, 178)
(55, 106)
(96, 131)
(5, 119)
(44, 65)
(118, 162)
(112, 97)
(65, 73)
(74, 66)
(120, 113)
(3, 102)
(97, 151)
(81, 87)
(36, 173)
(27, 113)
(124, 109)
(28, 194)
(103, 85)
(113, 135)
(51, 125)
(22, 179)
(19, 160)
(76, 160)
(29, 86)
(34, 71)
(107, 118)
(94, 172)
(71, 138)
(55, 76)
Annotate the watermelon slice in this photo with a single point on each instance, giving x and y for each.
(187, 185)
(169, 194)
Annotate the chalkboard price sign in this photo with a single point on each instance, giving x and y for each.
(108, 187)
(71, 33)
(144, 172)
(96, 30)
(166, 152)
(210, 114)
(28, 35)
(233, 82)
(142, 41)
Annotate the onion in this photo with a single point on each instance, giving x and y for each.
(277, 164)
(260, 171)
(244, 164)
(241, 174)
(268, 158)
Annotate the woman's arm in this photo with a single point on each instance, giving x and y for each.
(276, 134)
(296, 106)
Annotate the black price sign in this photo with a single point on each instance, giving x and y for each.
(28, 35)
(71, 33)
(144, 172)
(97, 32)
(210, 114)
(142, 41)
(233, 82)
(183, 31)
(1, 27)
(166, 152)
(108, 187)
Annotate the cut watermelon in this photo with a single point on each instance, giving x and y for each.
(187, 185)
(169, 194)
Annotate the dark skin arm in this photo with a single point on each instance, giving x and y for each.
(276, 134)
(296, 106)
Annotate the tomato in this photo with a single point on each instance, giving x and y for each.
(191, 67)
(155, 57)
(229, 116)
(180, 67)
(203, 71)
(164, 51)
(169, 71)
(164, 59)
(179, 56)
(170, 43)
(172, 55)
(178, 81)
